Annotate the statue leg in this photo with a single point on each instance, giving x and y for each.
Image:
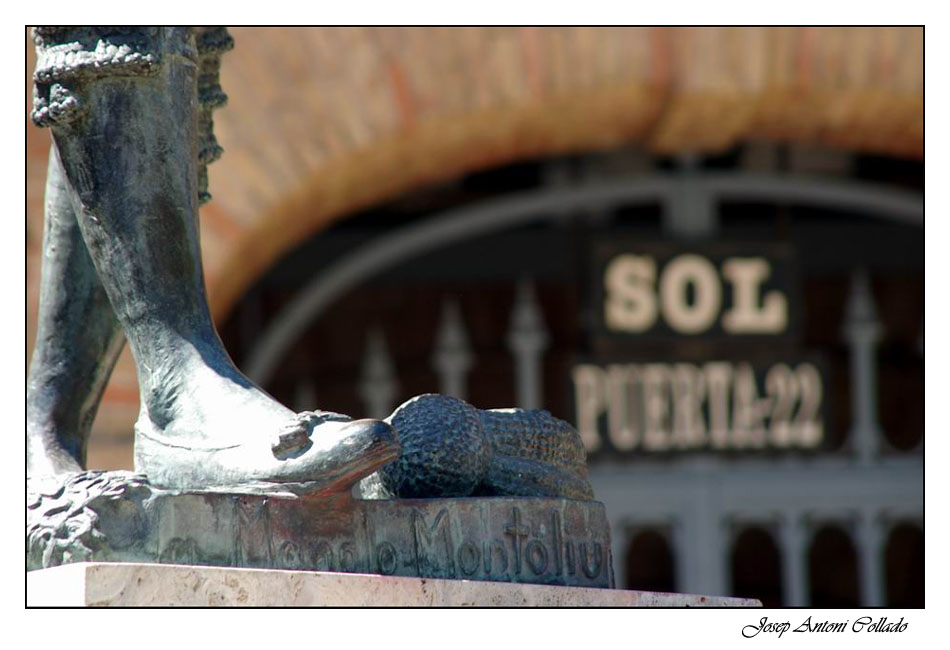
(77, 342)
(130, 156)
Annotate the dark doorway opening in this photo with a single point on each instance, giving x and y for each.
(757, 567)
(904, 566)
(650, 563)
(833, 570)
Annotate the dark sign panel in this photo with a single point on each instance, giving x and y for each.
(713, 290)
(698, 352)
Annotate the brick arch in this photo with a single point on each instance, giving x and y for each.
(325, 122)
(428, 154)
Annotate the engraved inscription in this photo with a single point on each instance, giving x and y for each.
(537, 556)
(569, 552)
(527, 545)
(427, 548)
(542, 553)
(387, 559)
(179, 551)
(321, 556)
(592, 566)
(500, 552)
(253, 544)
(289, 555)
(517, 533)
(469, 557)
(348, 558)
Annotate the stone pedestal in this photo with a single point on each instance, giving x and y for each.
(119, 517)
(158, 585)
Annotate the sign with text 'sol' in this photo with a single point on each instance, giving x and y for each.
(666, 290)
(698, 352)
(651, 407)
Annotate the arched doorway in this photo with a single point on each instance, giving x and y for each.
(650, 563)
(756, 567)
(904, 566)
(833, 569)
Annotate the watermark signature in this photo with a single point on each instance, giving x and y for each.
(861, 624)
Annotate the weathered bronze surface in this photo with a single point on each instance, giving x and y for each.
(221, 465)
(452, 449)
(129, 110)
(120, 517)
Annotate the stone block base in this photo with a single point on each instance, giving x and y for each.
(119, 517)
(155, 585)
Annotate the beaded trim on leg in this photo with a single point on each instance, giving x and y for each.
(70, 56)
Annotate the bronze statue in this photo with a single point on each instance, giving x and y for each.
(129, 109)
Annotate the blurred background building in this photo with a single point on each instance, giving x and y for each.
(702, 246)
